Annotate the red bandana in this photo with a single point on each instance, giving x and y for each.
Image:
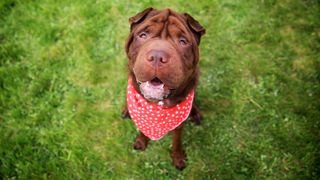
(154, 120)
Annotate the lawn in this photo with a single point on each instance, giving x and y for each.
(63, 80)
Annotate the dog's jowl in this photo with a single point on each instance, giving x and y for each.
(163, 58)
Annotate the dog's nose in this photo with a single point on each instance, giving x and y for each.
(157, 57)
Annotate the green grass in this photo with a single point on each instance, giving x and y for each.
(63, 80)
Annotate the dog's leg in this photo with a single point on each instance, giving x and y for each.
(178, 155)
(195, 114)
(125, 112)
(141, 142)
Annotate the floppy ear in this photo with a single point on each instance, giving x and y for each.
(134, 20)
(139, 17)
(195, 26)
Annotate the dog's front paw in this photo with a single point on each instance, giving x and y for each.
(179, 159)
(141, 143)
(196, 118)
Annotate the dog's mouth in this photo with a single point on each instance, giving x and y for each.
(156, 82)
(154, 89)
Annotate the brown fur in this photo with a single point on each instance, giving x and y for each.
(163, 30)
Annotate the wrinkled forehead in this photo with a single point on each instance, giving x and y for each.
(166, 22)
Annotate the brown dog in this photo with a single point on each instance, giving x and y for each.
(163, 54)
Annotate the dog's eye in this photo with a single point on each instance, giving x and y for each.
(183, 41)
(143, 35)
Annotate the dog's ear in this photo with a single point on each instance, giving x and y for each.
(134, 20)
(195, 27)
(139, 17)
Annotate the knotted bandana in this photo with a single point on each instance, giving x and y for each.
(155, 120)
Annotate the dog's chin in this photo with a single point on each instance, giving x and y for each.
(154, 90)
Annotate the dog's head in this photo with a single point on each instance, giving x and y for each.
(163, 54)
